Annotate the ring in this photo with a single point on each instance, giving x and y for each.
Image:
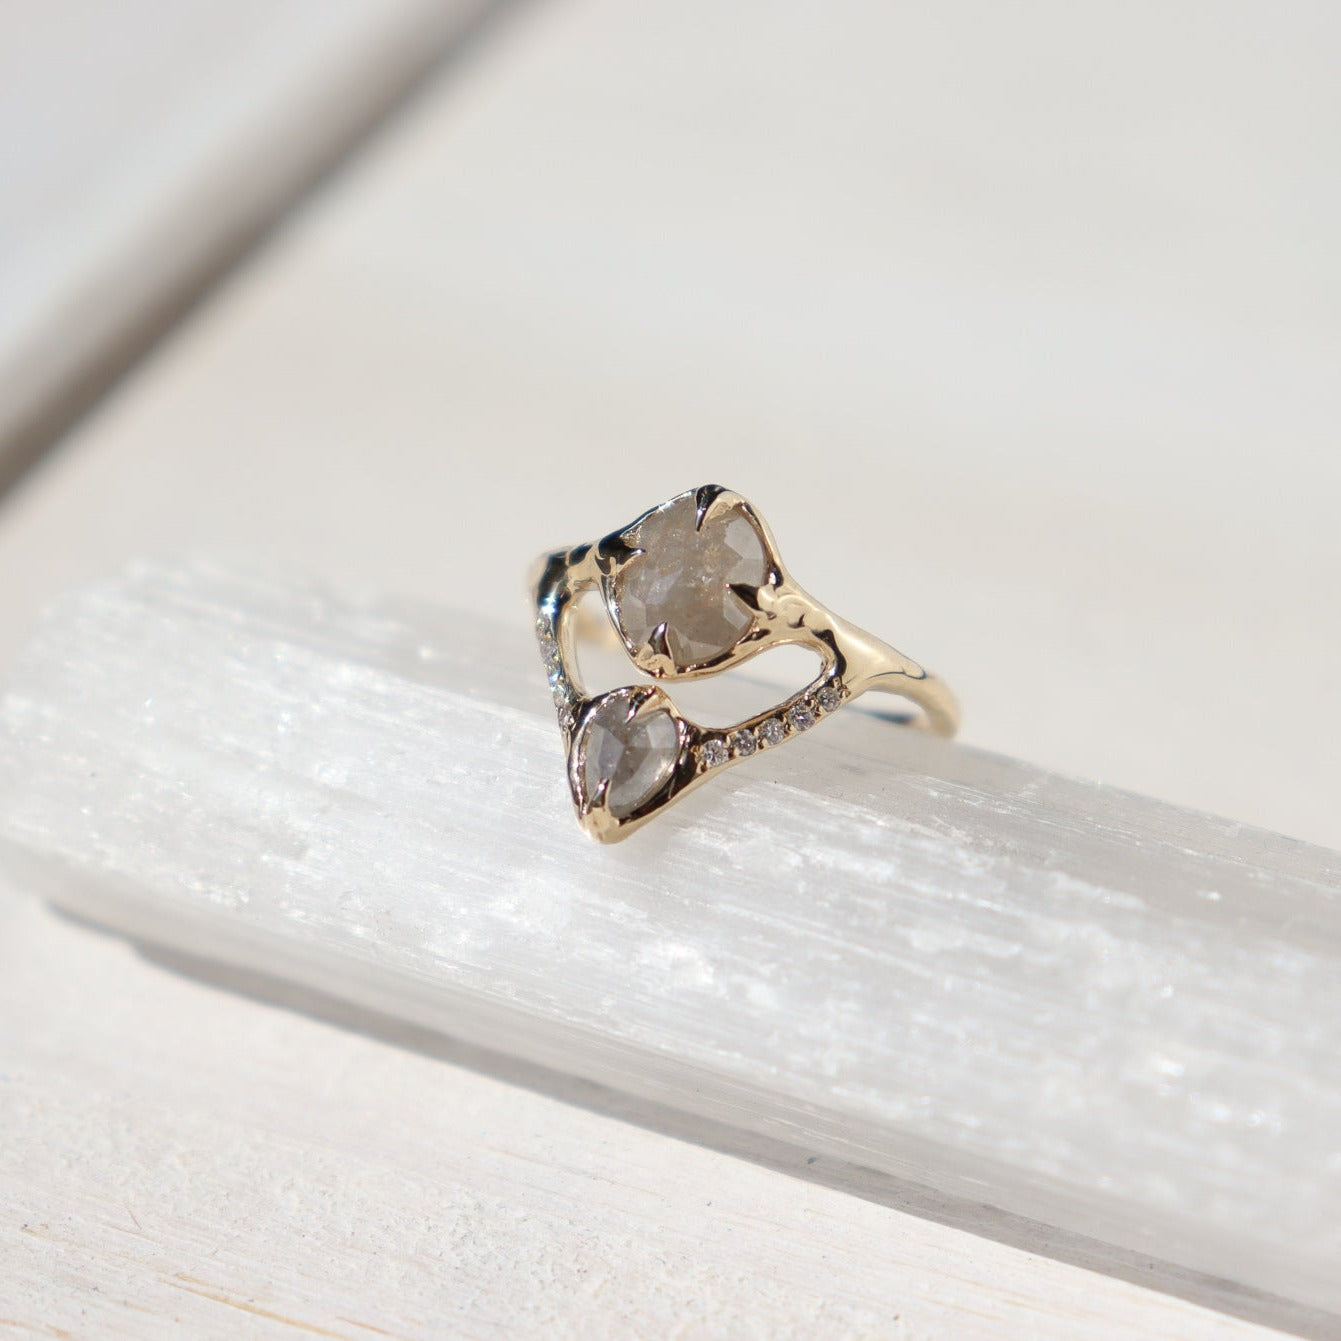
(693, 587)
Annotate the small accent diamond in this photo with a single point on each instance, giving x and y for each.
(714, 752)
(801, 716)
(830, 697)
(562, 691)
(567, 717)
(549, 652)
(744, 743)
(770, 731)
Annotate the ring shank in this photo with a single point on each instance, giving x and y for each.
(867, 663)
(931, 694)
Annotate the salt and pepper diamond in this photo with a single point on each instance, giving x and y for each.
(628, 751)
(680, 586)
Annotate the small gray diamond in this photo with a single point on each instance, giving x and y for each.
(770, 731)
(744, 743)
(801, 716)
(714, 752)
(830, 698)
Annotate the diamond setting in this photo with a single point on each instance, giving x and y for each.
(830, 697)
(682, 578)
(743, 743)
(801, 716)
(714, 752)
(770, 732)
(627, 751)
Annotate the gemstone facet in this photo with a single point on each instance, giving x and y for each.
(632, 754)
(830, 697)
(714, 752)
(744, 743)
(683, 579)
(801, 716)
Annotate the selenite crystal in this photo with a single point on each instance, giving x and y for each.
(1086, 1009)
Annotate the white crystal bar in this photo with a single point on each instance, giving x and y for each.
(1080, 1006)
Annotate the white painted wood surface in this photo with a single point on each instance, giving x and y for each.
(143, 143)
(1078, 1006)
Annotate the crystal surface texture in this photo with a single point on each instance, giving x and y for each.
(1085, 1008)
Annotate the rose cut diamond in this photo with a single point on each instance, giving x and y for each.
(631, 754)
(683, 579)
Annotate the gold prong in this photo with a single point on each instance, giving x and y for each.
(746, 594)
(705, 500)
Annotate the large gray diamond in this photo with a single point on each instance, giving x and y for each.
(683, 580)
(635, 756)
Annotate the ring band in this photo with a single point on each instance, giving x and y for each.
(693, 587)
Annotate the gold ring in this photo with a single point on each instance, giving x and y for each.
(692, 587)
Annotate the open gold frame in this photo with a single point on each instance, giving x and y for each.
(780, 612)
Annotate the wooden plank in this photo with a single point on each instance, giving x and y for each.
(146, 145)
(1082, 1007)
